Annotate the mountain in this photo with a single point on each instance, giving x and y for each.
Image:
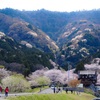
(51, 22)
(70, 37)
(78, 40)
(22, 59)
(48, 21)
(90, 63)
(24, 32)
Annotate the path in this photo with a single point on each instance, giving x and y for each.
(49, 90)
(46, 91)
(14, 94)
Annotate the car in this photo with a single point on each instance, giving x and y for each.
(52, 87)
(96, 99)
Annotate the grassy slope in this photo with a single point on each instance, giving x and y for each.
(63, 96)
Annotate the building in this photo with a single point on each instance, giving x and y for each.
(88, 77)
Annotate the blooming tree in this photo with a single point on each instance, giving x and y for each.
(43, 80)
(3, 73)
(15, 83)
(37, 78)
(55, 75)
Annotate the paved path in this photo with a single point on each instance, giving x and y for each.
(2, 97)
(46, 91)
(14, 94)
(49, 90)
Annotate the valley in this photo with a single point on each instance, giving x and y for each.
(43, 39)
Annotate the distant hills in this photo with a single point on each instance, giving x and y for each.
(24, 31)
(60, 36)
(79, 40)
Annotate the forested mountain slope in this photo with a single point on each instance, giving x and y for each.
(20, 58)
(25, 32)
(70, 37)
(79, 40)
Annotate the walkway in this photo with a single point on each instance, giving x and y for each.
(46, 91)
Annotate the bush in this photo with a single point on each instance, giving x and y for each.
(1, 66)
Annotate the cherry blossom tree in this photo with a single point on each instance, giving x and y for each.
(3, 73)
(37, 78)
(56, 76)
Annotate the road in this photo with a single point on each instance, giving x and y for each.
(49, 90)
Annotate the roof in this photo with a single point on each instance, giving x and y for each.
(87, 72)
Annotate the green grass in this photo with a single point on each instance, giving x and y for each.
(59, 96)
(36, 89)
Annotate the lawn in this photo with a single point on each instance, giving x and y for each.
(59, 96)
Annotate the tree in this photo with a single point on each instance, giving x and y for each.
(35, 75)
(16, 83)
(74, 82)
(43, 81)
(56, 76)
(3, 73)
(1, 66)
(38, 78)
(80, 66)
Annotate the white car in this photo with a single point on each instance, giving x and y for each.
(52, 87)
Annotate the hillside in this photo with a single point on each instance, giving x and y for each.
(51, 22)
(19, 58)
(23, 31)
(71, 37)
(78, 40)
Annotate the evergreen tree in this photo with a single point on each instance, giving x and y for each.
(80, 66)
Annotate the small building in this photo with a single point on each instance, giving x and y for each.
(88, 77)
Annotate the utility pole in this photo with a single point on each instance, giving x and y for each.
(69, 68)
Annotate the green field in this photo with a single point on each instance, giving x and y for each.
(62, 96)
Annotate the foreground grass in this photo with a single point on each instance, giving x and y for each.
(61, 96)
(36, 90)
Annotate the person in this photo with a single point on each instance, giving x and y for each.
(58, 90)
(0, 90)
(54, 90)
(71, 90)
(66, 90)
(6, 91)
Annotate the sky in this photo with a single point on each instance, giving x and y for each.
(52, 5)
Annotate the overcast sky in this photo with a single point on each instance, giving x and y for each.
(53, 5)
